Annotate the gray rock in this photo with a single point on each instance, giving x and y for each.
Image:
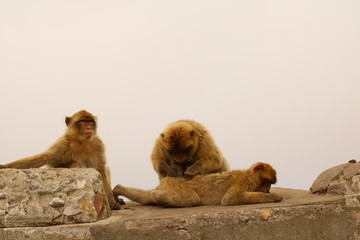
(343, 179)
(41, 197)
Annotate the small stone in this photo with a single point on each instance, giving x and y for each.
(349, 201)
(2, 195)
(72, 210)
(266, 213)
(57, 202)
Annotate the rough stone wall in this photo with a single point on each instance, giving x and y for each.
(333, 215)
(342, 179)
(41, 197)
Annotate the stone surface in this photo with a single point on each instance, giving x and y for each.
(343, 179)
(40, 197)
(301, 216)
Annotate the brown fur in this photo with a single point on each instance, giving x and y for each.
(228, 188)
(186, 148)
(80, 147)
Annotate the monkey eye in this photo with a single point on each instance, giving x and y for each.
(84, 121)
(92, 122)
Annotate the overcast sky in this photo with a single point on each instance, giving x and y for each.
(273, 81)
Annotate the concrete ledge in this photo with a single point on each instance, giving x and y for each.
(301, 215)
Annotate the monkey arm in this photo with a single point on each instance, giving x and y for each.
(105, 174)
(236, 197)
(204, 166)
(55, 155)
(35, 161)
(165, 170)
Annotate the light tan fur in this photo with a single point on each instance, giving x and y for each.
(228, 188)
(186, 148)
(80, 147)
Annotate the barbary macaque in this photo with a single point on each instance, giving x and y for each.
(79, 147)
(186, 148)
(228, 188)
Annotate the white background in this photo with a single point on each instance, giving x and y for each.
(273, 81)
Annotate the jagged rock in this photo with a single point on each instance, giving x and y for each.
(41, 197)
(343, 179)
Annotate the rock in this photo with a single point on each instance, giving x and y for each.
(343, 179)
(57, 202)
(42, 197)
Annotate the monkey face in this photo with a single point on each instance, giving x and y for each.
(179, 142)
(82, 124)
(180, 155)
(177, 148)
(86, 127)
(264, 187)
(267, 176)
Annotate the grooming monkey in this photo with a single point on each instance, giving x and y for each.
(80, 147)
(228, 188)
(186, 148)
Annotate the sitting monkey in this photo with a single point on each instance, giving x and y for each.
(186, 148)
(79, 147)
(228, 188)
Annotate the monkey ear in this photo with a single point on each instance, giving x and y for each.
(258, 167)
(67, 120)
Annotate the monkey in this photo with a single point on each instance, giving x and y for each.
(228, 188)
(79, 147)
(186, 148)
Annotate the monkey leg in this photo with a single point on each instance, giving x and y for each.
(134, 194)
(234, 197)
(105, 173)
(174, 192)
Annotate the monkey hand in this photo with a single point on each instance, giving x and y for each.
(166, 171)
(193, 170)
(117, 204)
(274, 197)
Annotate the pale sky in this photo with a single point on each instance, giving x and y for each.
(273, 81)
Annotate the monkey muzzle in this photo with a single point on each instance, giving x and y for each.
(180, 158)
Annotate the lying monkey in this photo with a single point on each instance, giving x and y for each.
(227, 188)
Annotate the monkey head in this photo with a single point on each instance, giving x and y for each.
(81, 124)
(180, 142)
(267, 176)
